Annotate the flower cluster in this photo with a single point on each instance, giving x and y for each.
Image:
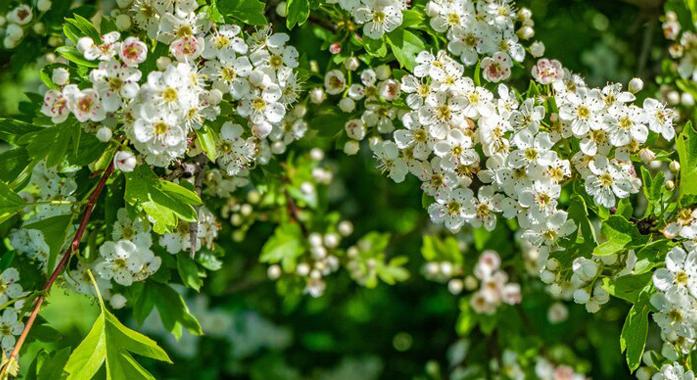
(487, 29)
(206, 231)
(676, 298)
(494, 287)
(16, 20)
(377, 16)
(684, 47)
(527, 156)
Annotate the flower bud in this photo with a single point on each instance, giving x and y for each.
(355, 129)
(351, 147)
(303, 269)
(261, 130)
(163, 62)
(335, 48)
(673, 98)
(526, 33)
(117, 301)
(315, 239)
(331, 240)
(123, 22)
(104, 134)
(455, 286)
(125, 161)
(317, 95)
(352, 63)
(39, 28)
(557, 313)
(687, 100)
(674, 166)
(581, 296)
(383, 72)
(647, 155)
(345, 228)
(60, 76)
(670, 185)
(14, 32)
(592, 306)
(123, 3)
(43, 5)
(84, 43)
(273, 272)
(347, 105)
(537, 49)
(282, 9)
(317, 154)
(635, 85)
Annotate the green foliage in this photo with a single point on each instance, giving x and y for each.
(248, 11)
(620, 235)
(10, 202)
(686, 145)
(298, 12)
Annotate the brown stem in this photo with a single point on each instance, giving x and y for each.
(294, 212)
(74, 245)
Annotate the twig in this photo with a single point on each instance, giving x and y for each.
(62, 264)
(294, 211)
(200, 161)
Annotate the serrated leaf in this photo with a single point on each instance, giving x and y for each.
(298, 11)
(248, 11)
(284, 247)
(10, 202)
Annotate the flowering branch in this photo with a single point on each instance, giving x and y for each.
(74, 245)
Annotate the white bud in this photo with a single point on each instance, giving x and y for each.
(644, 373)
(668, 352)
(123, 22)
(253, 197)
(670, 185)
(526, 33)
(674, 166)
(104, 134)
(317, 95)
(162, 63)
(299, 111)
(345, 228)
(3, 20)
(351, 147)
(352, 63)
(555, 290)
(9, 43)
(317, 154)
(537, 49)
(647, 155)
(687, 100)
(125, 161)
(331, 240)
(673, 97)
(278, 147)
(281, 9)
(524, 14)
(84, 43)
(43, 5)
(14, 32)
(315, 239)
(117, 301)
(39, 28)
(471, 283)
(318, 252)
(635, 85)
(455, 286)
(307, 188)
(383, 72)
(347, 105)
(246, 209)
(647, 359)
(581, 296)
(261, 130)
(547, 277)
(446, 268)
(552, 264)
(355, 129)
(432, 268)
(592, 306)
(60, 76)
(273, 272)
(303, 269)
(557, 313)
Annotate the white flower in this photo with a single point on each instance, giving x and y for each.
(237, 152)
(659, 118)
(415, 135)
(334, 82)
(107, 49)
(56, 106)
(9, 285)
(389, 161)
(532, 149)
(626, 124)
(673, 371)
(20, 15)
(124, 262)
(115, 82)
(452, 208)
(496, 68)
(680, 273)
(581, 110)
(10, 326)
(607, 181)
(547, 71)
(456, 150)
(377, 18)
(225, 44)
(85, 104)
(133, 51)
(134, 229)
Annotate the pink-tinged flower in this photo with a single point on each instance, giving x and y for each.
(85, 104)
(56, 106)
(186, 48)
(496, 68)
(133, 51)
(106, 50)
(547, 71)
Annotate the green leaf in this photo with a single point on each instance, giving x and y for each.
(583, 238)
(188, 272)
(208, 141)
(627, 287)
(328, 122)
(405, 46)
(52, 368)
(85, 27)
(284, 247)
(164, 201)
(10, 202)
(298, 12)
(619, 233)
(248, 11)
(466, 320)
(73, 55)
(686, 145)
(173, 311)
(111, 342)
(11, 129)
(633, 336)
(54, 230)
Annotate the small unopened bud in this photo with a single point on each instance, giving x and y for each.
(60, 76)
(117, 301)
(39, 28)
(455, 286)
(351, 63)
(526, 33)
(282, 9)
(670, 185)
(581, 296)
(125, 161)
(537, 49)
(383, 72)
(687, 100)
(335, 48)
(345, 228)
(471, 283)
(351, 147)
(162, 63)
(635, 85)
(647, 155)
(123, 22)
(104, 134)
(274, 272)
(317, 154)
(43, 5)
(673, 97)
(674, 166)
(347, 105)
(303, 269)
(84, 43)
(317, 95)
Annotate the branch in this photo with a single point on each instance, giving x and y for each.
(62, 264)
